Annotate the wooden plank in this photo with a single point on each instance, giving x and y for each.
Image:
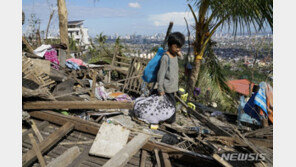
(29, 47)
(42, 65)
(143, 158)
(124, 58)
(36, 131)
(121, 63)
(125, 154)
(166, 160)
(77, 105)
(109, 140)
(221, 161)
(41, 126)
(60, 119)
(94, 81)
(46, 144)
(119, 69)
(92, 128)
(37, 150)
(66, 158)
(156, 151)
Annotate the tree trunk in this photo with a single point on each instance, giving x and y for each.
(63, 24)
(193, 78)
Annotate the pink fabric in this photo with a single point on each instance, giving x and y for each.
(51, 55)
(77, 61)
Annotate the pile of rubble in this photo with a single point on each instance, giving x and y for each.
(86, 99)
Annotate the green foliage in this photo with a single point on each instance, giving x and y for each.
(213, 79)
(242, 14)
(100, 52)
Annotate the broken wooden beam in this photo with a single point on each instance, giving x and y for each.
(41, 126)
(37, 150)
(46, 144)
(205, 120)
(93, 128)
(60, 119)
(166, 160)
(126, 153)
(156, 151)
(36, 131)
(77, 105)
(29, 47)
(143, 158)
(66, 158)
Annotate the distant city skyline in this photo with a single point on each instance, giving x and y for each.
(124, 17)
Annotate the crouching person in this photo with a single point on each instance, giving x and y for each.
(160, 107)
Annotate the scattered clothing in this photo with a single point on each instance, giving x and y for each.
(52, 56)
(79, 62)
(101, 93)
(119, 96)
(260, 104)
(243, 117)
(260, 98)
(41, 50)
(251, 109)
(72, 65)
(123, 98)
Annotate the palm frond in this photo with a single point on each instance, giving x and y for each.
(242, 14)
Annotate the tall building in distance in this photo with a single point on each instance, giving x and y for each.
(79, 33)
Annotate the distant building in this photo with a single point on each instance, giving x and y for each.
(79, 33)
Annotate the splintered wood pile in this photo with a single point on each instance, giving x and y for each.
(87, 98)
(84, 141)
(75, 138)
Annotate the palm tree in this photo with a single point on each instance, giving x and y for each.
(214, 14)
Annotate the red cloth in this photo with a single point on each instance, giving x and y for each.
(77, 61)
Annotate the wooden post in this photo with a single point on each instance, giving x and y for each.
(125, 154)
(63, 24)
(156, 151)
(166, 160)
(46, 144)
(62, 57)
(143, 158)
(93, 88)
(37, 150)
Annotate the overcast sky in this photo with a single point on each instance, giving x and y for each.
(115, 16)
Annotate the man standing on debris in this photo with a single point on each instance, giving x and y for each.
(168, 74)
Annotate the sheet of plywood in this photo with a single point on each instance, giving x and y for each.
(41, 65)
(109, 140)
